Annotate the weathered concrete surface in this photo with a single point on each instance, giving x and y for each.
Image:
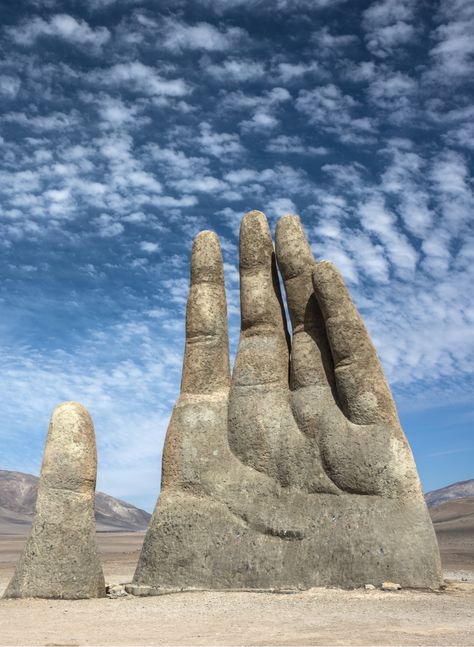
(60, 559)
(295, 473)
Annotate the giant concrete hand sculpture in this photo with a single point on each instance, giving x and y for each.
(60, 559)
(295, 473)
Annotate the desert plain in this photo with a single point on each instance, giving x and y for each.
(319, 616)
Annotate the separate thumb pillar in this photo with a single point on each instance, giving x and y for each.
(60, 559)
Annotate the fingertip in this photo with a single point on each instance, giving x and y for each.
(251, 218)
(288, 220)
(325, 269)
(329, 287)
(325, 263)
(207, 234)
(206, 259)
(70, 408)
(294, 254)
(70, 457)
(256, 245)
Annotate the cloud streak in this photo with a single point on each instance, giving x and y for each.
(64, 27)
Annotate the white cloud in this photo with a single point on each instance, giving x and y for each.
(220, 6)
(356, 255)
(405, 179)
(263, 107)
(63, 26)
(332, 111)
(389, 25)
(140, 78)
(285, 144)
(359, 72)
(450, 176)
(149, 247)
(332, 208)
(141, 179)
(178, 36)
(176, 167)
(115, 113)
(58, 195)
(171, 201)
(281, 206)
(393, 92)
(462, 135)
(328, 44)
(451, 187)
(218, 144)
(453, 55)
(289, 71)
(231, 218)
(201, 184)
(97, 5)
(263, 186)
(386, 12)
(350, 177)
(9, 86)
(430, 199)
(243, 175)
(56, 121)
(261, 120)
(381, 223)
(234, 101)
(401, 330)
(235, 70)
(108, 227)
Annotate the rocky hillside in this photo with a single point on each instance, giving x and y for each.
(451, 492)
(17, 502)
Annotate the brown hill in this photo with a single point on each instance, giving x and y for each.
(17, 502)
(457, 514)
(458, 490)
(454, 526)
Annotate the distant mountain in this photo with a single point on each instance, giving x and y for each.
(17, 504)
(451, 492)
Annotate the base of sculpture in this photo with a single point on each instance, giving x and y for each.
(147, 591)
(194, 543)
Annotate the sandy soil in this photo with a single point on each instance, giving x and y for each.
(316, 617)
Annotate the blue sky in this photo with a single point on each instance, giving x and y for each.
(127, 126)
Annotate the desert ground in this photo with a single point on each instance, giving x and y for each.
(315, 617)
